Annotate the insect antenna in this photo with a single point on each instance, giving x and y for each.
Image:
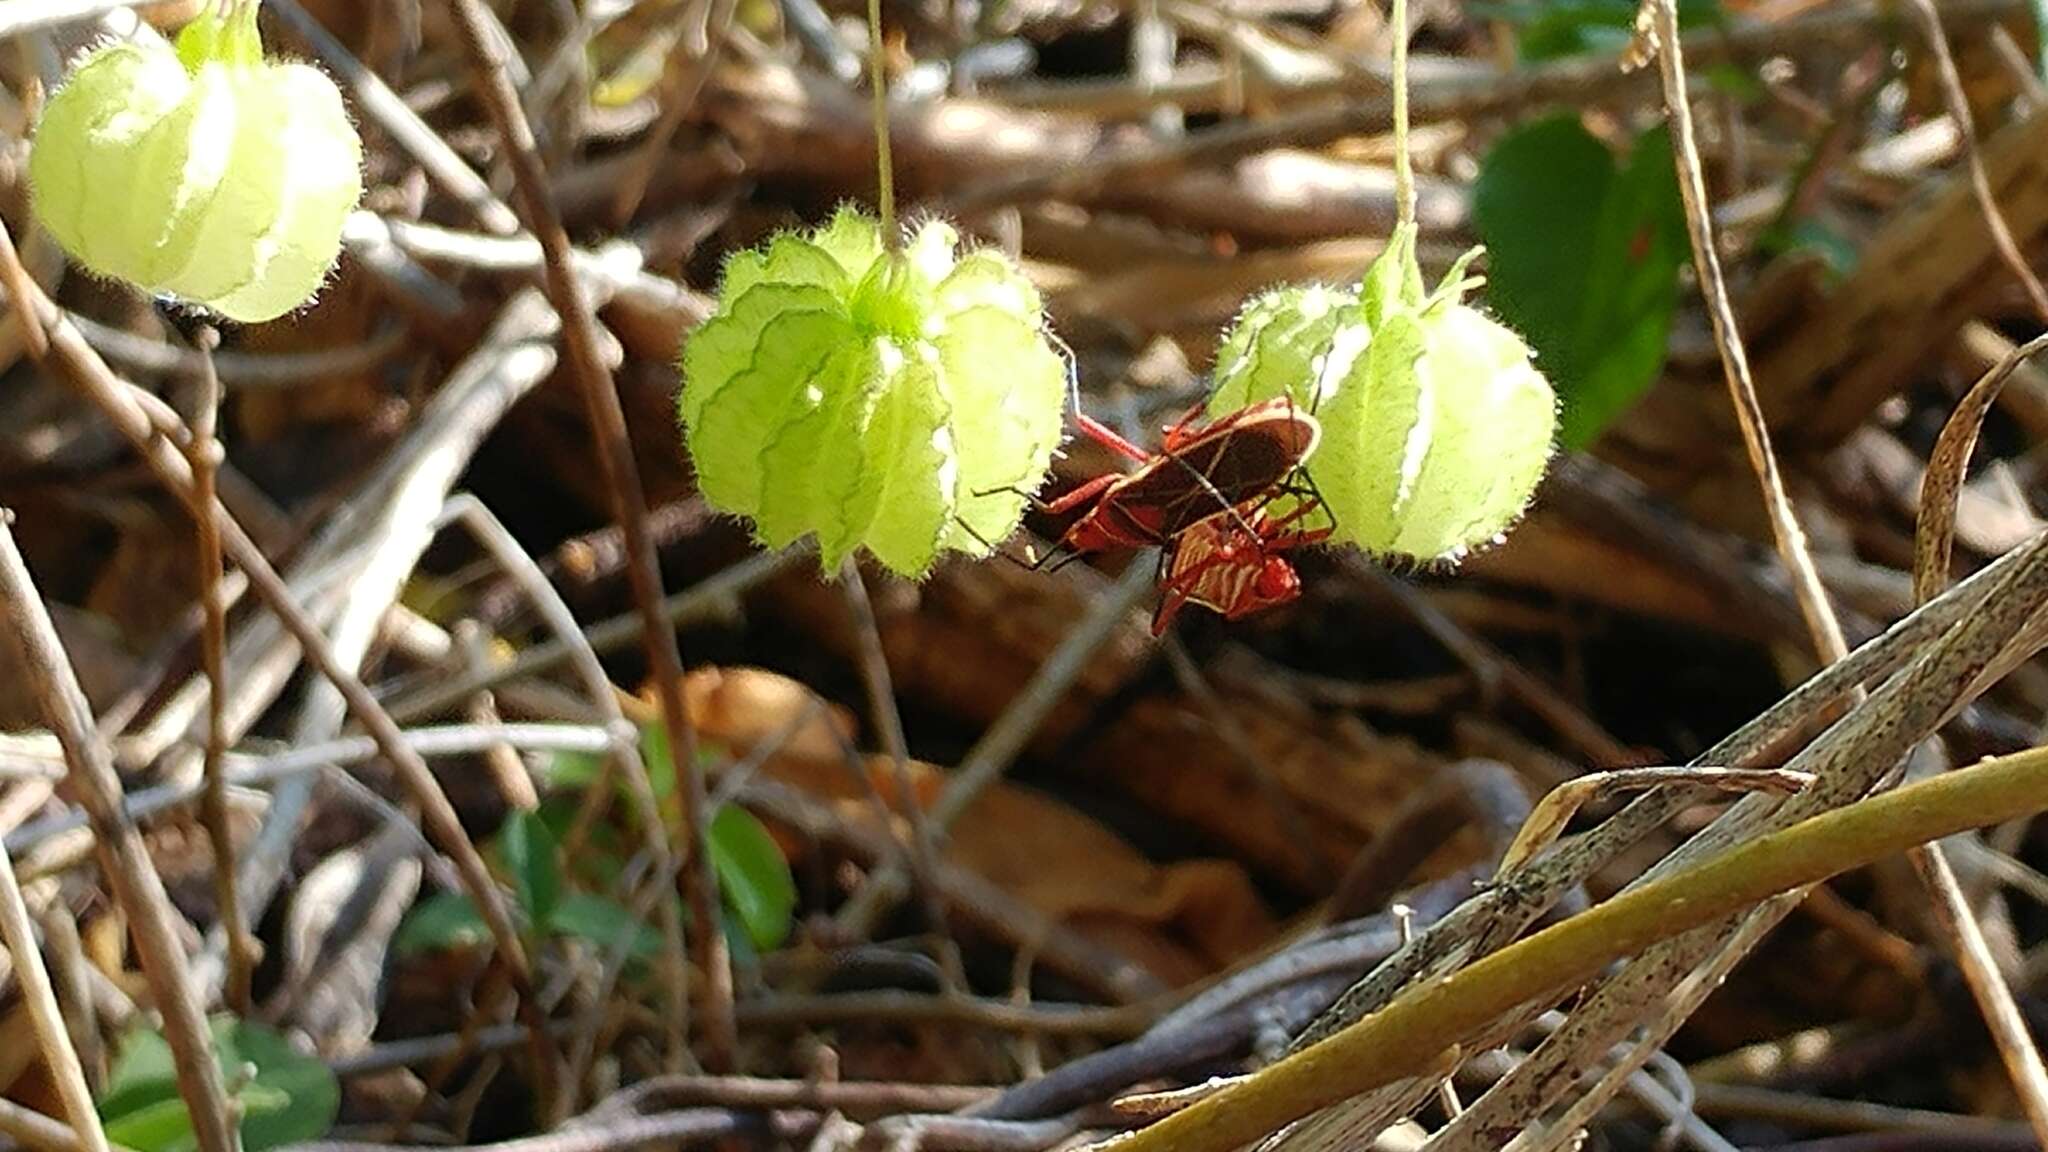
(1033, 564)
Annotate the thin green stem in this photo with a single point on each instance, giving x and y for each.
(885, 169)
(1404, 168)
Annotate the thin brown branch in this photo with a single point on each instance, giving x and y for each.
(1826, 631)
(615, 454)
(204, 454)
(667, 1093)
(1004, 740)
(37, 1132)
(94, 785)
(624, 753)
(888, 720)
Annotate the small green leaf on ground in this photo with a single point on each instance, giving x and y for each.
(753, 875)
(576, 769)
(604, 923)
(284, 1095)
(1547, 29)
(528, 849)
(443, 920)
(1583, 259)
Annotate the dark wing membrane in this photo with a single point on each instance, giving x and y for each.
(1238, 463)
(1230, 464)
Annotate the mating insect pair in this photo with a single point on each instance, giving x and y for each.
(1206, 499)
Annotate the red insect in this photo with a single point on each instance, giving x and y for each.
(1230, 563)
(1239, 460)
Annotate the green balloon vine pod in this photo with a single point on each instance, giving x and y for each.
(206, 173)
(1436, 425)
(902, 401)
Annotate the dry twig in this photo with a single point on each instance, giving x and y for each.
(54, 339)
(204, 454)
(615, 454)
(17, 932)
(122, 856)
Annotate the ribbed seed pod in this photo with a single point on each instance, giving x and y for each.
(903, 402)
(207, 173)
(1436, 425)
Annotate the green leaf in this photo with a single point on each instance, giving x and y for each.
(1584, 262)
(1552, 28)
(285, 1096)
(753, 875)
(443, 920)
(575, 770)
(604, 923)
(1804, 234)
(530, 854)
(158, 1126)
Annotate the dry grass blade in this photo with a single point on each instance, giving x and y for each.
(1948, 464)
(1563, 802)
(1934, 658)
(1389, 1045)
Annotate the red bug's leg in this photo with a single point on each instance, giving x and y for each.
(1177, 431)
(1108, 437)
(1282, 527)
(1174, 590)
(1170, 602)
(1086, 493)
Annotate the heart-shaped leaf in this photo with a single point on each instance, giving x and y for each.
(1583, 261)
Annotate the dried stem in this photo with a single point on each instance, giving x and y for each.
(1402, 1039)
(1404, 165)
(49, 336)
(1980, 182)
(204, 455)
(885, 168)
(1933, 541)
(18, 933)
(1003, 741)
(888, 719)
(37, 1132)
(1749, 412)
(615, 454)
(624, 752)
(140, 892)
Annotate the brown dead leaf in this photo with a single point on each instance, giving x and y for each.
(1182, 921)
